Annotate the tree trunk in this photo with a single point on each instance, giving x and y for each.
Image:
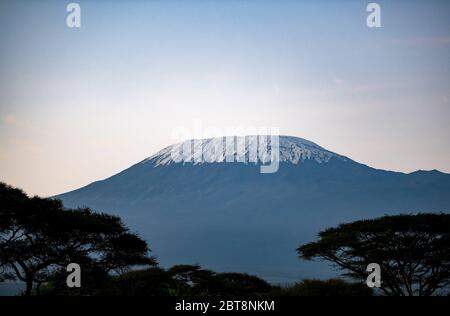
(29, 287)
(38, 289)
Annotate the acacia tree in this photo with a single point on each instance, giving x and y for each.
(413, 251)
(193, 280)
(38, 236)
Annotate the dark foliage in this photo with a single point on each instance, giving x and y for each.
(332, 287)
(180, 280)
(413, 251)
(238, 284)
(39, 236)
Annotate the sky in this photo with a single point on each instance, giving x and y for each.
(81, 104)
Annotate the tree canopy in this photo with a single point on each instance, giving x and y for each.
(39, 236)
(179, 280)
(331, 287)
(413, 251)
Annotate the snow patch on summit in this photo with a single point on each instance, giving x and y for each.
(292, 150)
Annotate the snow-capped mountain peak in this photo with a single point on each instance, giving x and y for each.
(244, 149)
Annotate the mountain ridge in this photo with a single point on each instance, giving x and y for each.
(230, 217)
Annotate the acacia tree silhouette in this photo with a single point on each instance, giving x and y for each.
(38, 236)
(413, 251)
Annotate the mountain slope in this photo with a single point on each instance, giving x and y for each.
(229, 216)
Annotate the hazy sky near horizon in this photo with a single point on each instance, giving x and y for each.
(78, 105)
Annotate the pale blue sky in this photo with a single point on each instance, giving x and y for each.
(78, 105)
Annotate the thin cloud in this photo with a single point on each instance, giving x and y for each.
(346, 86)
(13, 121)
(422, 41)
(10, 119)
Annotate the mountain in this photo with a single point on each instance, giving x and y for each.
(231, 217)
